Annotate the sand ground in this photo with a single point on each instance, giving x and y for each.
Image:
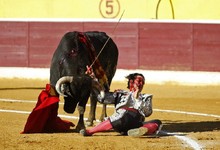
(191, 112)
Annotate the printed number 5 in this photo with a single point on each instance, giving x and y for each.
(109, 5)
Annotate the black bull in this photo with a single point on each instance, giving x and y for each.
(68, 67)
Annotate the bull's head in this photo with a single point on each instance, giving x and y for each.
(61, 87)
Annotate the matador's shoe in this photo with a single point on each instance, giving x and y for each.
(137, 132)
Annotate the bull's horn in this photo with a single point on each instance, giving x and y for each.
(65, 79)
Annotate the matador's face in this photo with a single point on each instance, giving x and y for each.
(137, 84)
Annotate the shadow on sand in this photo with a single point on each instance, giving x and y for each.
(201, 126)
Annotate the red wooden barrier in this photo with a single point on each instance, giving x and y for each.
(44, 39)
(142, 45)
(13, 44)
(206, 45)
(165, 46)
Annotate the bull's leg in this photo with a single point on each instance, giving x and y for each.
(80, 124)
(104, 114)
(92, 112)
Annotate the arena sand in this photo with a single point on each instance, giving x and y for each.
(190, 114)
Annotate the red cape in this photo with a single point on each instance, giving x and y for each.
(43, 118)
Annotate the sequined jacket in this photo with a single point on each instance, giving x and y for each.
(122, 98)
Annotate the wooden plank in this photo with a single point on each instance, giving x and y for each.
(125, 36)
(128, 52)
(13, 44)
(44, 39)
(165, 46)
(207, 47)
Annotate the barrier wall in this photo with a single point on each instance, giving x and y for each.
(142, 45)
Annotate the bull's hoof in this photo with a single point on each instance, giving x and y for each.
(84, 133)
(89, 123)
(78, 128)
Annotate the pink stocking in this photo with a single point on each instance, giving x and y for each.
(103, 126)
(152, 127)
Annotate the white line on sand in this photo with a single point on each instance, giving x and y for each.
(110, 106)
(192, 143)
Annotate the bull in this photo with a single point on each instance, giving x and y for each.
(75, 51)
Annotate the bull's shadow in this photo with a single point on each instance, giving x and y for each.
(201, 126)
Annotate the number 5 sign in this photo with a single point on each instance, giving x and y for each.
(109, 8)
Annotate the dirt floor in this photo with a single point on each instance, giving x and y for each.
(190, 114)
